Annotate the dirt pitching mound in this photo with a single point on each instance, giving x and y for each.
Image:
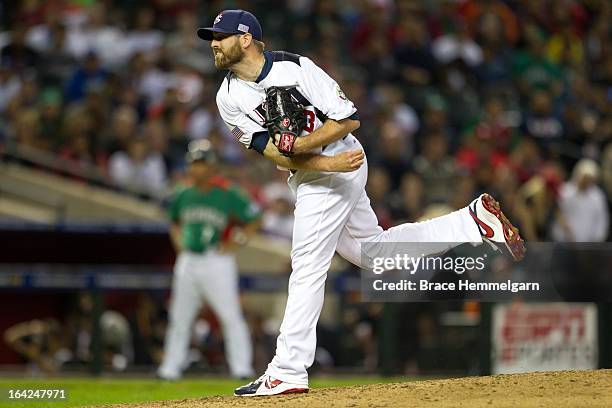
(549, 389)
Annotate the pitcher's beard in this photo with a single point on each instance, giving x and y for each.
(225, 60)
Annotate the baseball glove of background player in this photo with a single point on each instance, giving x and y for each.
(285, 118)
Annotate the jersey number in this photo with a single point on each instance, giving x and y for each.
(310, 120)
(208, 233)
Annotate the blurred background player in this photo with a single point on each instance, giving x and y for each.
(582, 215)
(205, 269)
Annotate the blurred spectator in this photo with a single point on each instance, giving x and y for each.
(148, 327)
(166, 12)
(117, 346)
(51, 115)
(377, 61)
(30, 12)
(96, 106)
(372, 24)
(540, 195)
(416, 63)
(123, 127)
(464, 192)
(188, 84)
(526, 159)
(76, 124)
(89, 75)
(457, 45)
(278, 211)
(540, 121)
(408, 203)
(531, 67)
(202, 120)
(393, 153)
(495, 72)
(457, 94)
(97, 35)
(26, 98)
(186, 47)
(479, 13)
(28, 130)
(139, 169)
(566, 47)
(435, 119)
(156, 80)
(569, 13)
(597, 45)
(157, 138)
(480, 157)
(436, 168)
(9, 85)
(17, 53)
(278, 218)
(41, 36)
(41, 342)
(378, 189)
(80, 155)
(144, 38)
(579, 116)
(493, 127)
(59, 62)
(583, 211)
(392, 98)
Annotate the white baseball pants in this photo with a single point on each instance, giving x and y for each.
(333, 213)
(211, 277)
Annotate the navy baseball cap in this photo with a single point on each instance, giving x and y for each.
(232, 22)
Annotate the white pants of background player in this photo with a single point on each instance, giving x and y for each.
(211, 277)
(333, 213)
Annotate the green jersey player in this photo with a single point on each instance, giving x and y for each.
(205, 269)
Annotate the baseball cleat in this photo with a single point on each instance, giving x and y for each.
(266, 385)
(495, 228)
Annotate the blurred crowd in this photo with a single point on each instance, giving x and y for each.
(51, 344)
(119, 332)
(455, 97)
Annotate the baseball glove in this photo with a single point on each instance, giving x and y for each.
(285, 118)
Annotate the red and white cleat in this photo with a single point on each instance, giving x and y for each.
(495, 228)
(266, 385)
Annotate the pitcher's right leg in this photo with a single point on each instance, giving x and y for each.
(320, 214)
(362, 237)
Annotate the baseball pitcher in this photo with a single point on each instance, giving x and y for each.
(286, 108)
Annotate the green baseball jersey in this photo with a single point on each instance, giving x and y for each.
(205, 216)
